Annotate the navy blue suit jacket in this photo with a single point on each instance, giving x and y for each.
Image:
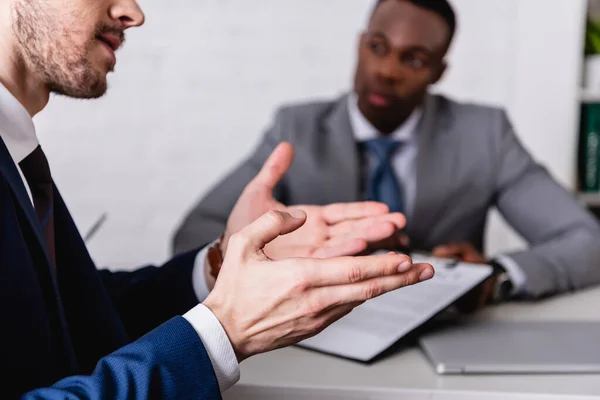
(84, 333)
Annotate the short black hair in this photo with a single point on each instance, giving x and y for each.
(440, 7)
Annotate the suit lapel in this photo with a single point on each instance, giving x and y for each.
(10, 172)
(435, 170)
(44, 271)
(341, 154)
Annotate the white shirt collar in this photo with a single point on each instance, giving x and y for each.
(16, 127)
(364, 130)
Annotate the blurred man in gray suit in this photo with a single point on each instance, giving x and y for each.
(442, 163)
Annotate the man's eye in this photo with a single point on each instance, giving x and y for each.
(378, 48)
(414, 62)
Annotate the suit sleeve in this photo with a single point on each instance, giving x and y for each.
(167, 363)
(149, 296)
(208, 217)
(563, 236)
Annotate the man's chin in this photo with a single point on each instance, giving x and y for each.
(89, 90)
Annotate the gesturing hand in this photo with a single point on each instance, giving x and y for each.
(333, 230)
(264, 304)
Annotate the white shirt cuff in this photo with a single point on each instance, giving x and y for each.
(514, 271)
(198, 276)
(217, 345)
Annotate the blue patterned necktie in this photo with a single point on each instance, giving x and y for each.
(382, 183)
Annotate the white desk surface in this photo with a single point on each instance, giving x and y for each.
(409, 369)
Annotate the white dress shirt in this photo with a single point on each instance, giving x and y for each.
(404, 162)
(18, 133)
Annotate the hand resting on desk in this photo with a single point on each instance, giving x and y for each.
(477, 298)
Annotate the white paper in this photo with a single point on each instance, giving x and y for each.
(378, 323)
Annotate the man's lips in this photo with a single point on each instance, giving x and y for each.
(379, 100)
(111, 40)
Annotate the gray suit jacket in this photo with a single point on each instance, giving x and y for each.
(469, 160)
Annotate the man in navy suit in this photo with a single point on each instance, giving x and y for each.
(71, 331)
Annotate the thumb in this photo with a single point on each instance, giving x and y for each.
(275, 167)
(271, 225)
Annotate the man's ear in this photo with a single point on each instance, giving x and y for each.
(439, 74)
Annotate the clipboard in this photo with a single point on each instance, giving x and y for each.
(376, 325)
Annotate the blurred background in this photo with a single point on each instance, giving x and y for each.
(197, 85)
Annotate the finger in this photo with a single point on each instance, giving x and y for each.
(275, 167)
(390, 243)
(383, 234)
(371, 288)
(472, 257)
(352, 226)
(348, 247)
(370, 234)
(345, 270)
(404, 240)
(338, 212)
(449, 250)
(268, 227)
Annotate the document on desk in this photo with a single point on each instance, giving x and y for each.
(374, 326)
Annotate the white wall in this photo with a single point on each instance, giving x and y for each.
(198, 83)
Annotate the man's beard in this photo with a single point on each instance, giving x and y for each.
(48, 47)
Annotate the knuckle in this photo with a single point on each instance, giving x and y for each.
(275, 217)
(355, 274)
(388, 228)
(239, 239)
(407, 279)
(404, 257)
(301, 280)
(372, 290)
(315, 306)
(319, 325)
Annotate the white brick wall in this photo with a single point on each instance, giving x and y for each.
(195, 87)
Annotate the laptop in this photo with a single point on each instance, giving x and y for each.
(515, 348)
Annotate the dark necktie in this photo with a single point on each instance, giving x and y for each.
(36, 171)
(382, 182)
